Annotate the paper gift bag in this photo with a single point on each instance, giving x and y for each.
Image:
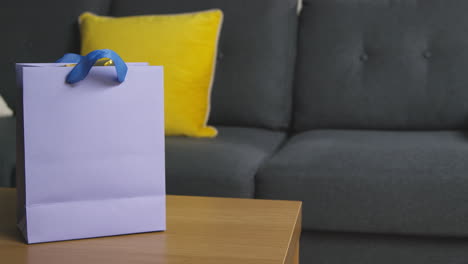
(90, 154)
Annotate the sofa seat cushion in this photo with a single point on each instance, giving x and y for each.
(7, 151)
(221, 166)
(374, 181)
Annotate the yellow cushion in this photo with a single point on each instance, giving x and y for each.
(185, 44)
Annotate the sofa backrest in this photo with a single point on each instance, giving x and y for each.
(254, 74)
(38, 31)
(382, 64)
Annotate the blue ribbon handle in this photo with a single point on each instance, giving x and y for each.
(70, 58)
(85, 63)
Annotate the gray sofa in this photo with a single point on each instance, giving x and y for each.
(358, 108)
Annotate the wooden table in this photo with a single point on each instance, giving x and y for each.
(199, 230)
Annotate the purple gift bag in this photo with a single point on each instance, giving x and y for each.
(90, 158)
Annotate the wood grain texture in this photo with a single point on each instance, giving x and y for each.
(199, 230)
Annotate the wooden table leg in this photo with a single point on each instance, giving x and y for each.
(293, 252)
(296, 255)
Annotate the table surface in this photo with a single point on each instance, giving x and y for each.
(199, 230)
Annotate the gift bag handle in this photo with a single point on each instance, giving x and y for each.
(85, 63)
